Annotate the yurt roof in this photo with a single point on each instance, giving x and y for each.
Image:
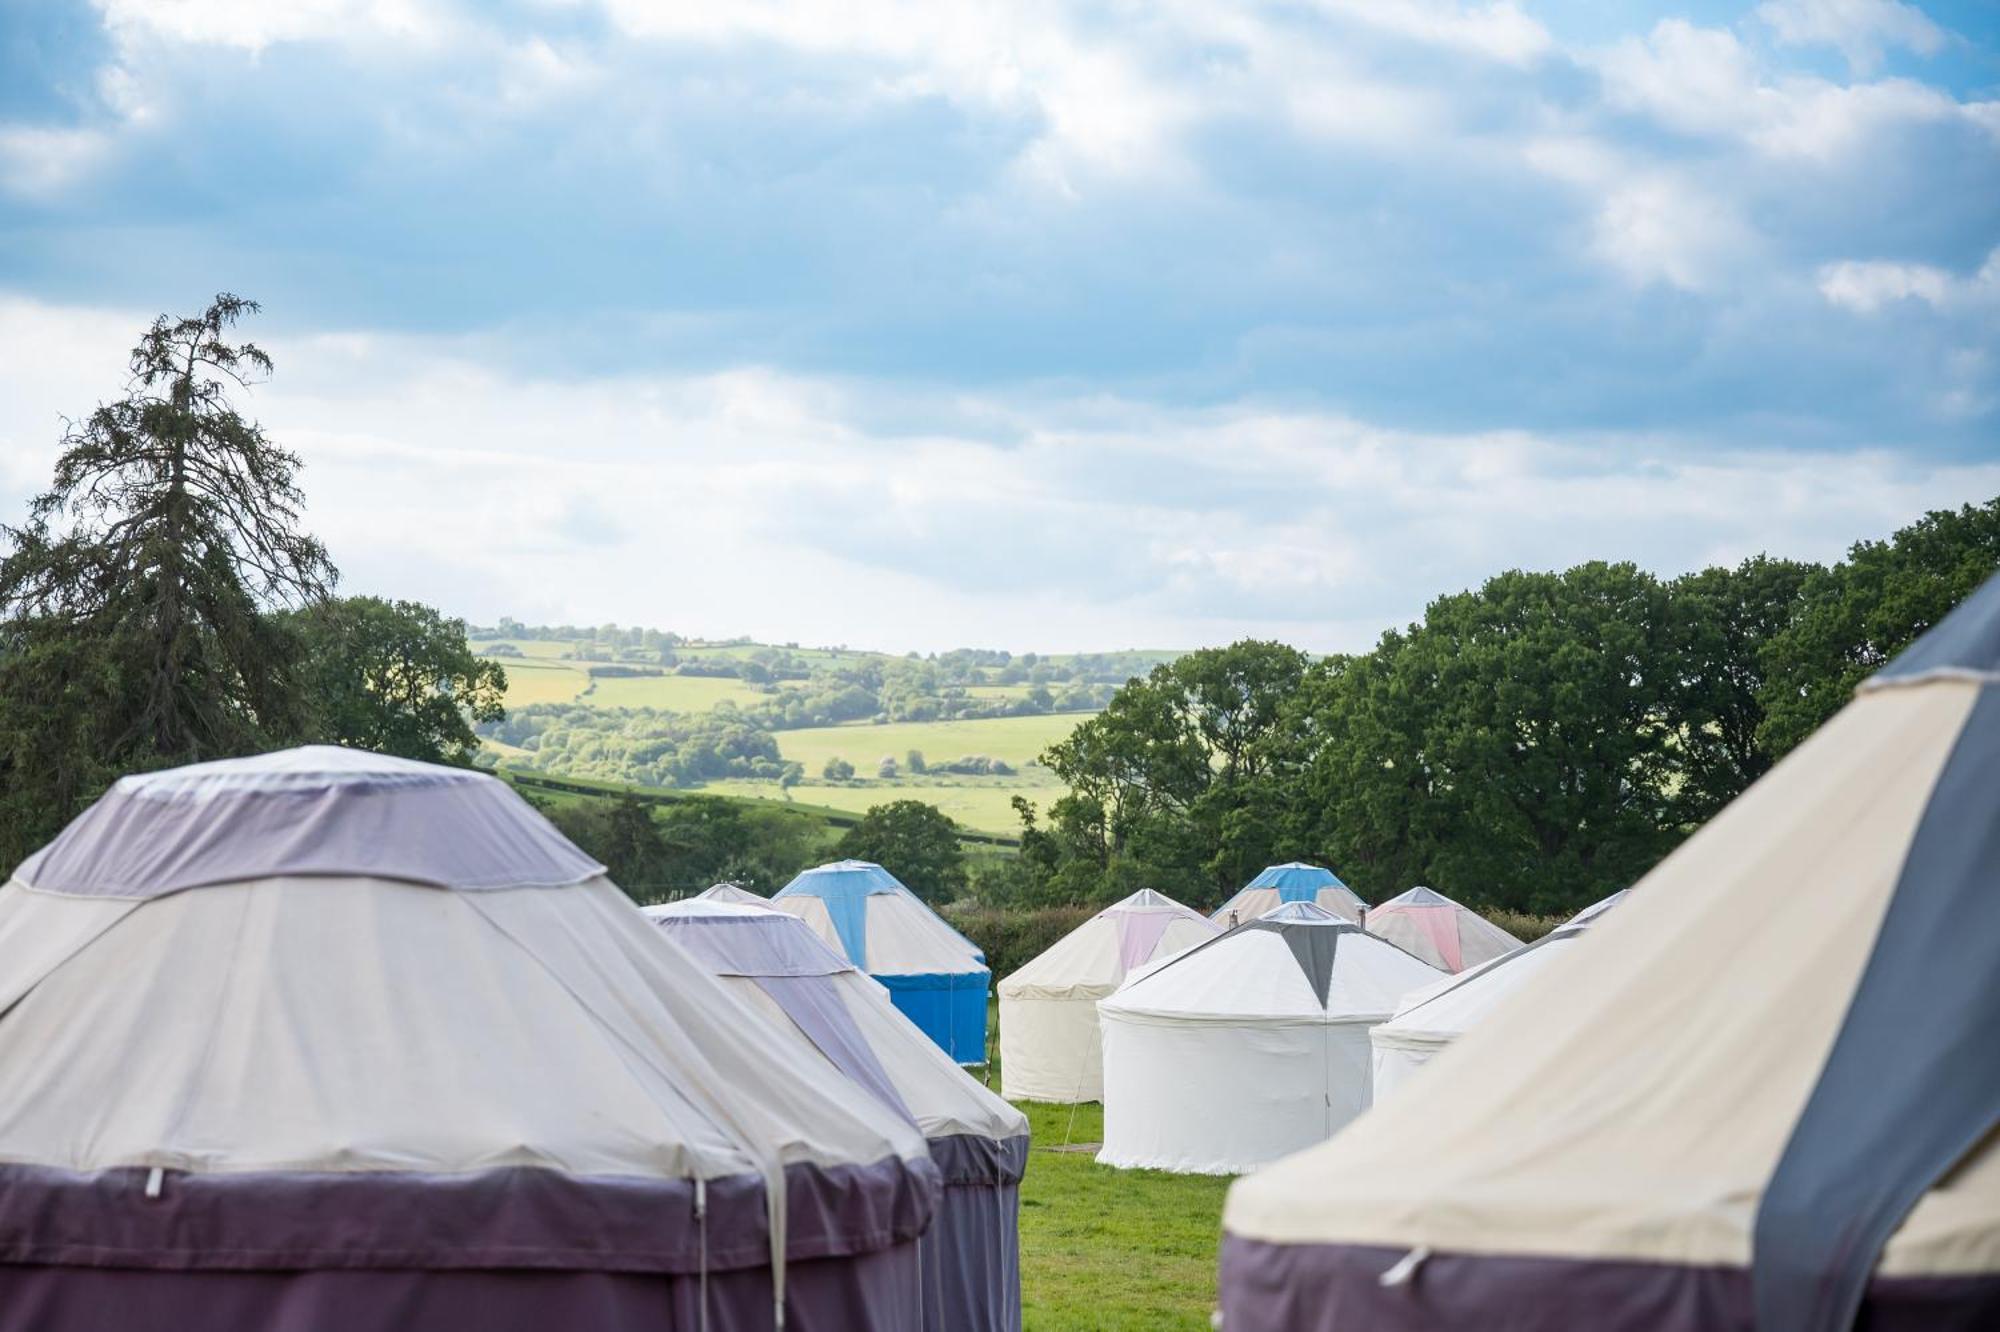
(863, 1035)
(315, 810)
(1298, 962)
(1091, 960)
(1443, 1011)
(907, 938)
(1768, 1076)
(729, 892)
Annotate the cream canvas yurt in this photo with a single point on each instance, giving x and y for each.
(1248, 1046)
(325, 1040)
(776, 964)
(1050, 1049)
(936, 975)
(1438, 930)
(1435, 1016)
(1276, 885)
(1763, 1092)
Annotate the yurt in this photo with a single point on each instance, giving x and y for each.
(778, 966)
(1249, 1046)
(1291, 882)
(324, 1040)
(936, 975)
(1049, 1044)
(1439, 930)
(1435, 1016)
(1763, 1094)
(729, 892)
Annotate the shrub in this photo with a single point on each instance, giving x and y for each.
(1010, 938)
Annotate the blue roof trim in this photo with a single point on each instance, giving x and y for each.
(1910, 1085)
(1296, 882)
(845, 886)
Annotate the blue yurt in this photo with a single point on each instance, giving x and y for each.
(1290, 882)
(934, 974)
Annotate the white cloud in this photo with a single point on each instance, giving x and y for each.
(1860, 29)
(253, 25)
(1867, 285)
(37, 162)
(1652, 223)
(753, 501)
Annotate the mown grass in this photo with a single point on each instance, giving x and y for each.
(536, 681)
(673, 693)
(1108, 1249)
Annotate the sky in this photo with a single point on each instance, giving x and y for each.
(1029, 324)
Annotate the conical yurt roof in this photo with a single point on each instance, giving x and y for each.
(865, 913)
(729, 892)
(756, 943)
(1443, 933)
(1093, 959)
(1298, 962)
(1293, 881)
(1442, 1012)
(1764, 1092)
(324, 1002)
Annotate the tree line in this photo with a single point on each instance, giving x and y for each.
(1533, 744)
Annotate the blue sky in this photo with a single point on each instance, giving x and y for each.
(1037, 324)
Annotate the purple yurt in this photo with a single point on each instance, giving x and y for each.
(781, 968)
(325, 1040)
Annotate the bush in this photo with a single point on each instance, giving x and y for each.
(837, 770)
(1521, 924)
(1011, 938)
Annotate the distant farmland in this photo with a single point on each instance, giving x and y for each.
(550, 671)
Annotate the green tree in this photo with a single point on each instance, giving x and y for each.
(837, 770)
(914, 761)
(1514, 748)
(1862, 612)
(134, 595)
(914, 841)
(1722, 620)
(396, 677)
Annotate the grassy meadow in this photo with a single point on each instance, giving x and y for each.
(1117, 1250)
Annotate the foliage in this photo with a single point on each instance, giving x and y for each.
(837, 770)
(656, 853)
(134, 595)
(639, 745)
(395, 677)
(1529, 746)
(1012, 937)
(913, 841)
(1862, 612)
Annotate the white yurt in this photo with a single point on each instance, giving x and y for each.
(1438, 930)
(731, 893)
(776, 964)
(1763, 1092)
(325, 1040)
(936, 975)
(1249, 1046)
(1294, 881)
(1435, 1016)
(1050, 1049)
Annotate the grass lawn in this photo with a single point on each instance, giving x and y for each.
(1109, 1249)
(1018, 740)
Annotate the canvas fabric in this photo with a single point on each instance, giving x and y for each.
(1439, 930)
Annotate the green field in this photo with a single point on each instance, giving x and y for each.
(534, 681)
(983, 804)
(1104, 1248)
(1018, 740)
(673, 693)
